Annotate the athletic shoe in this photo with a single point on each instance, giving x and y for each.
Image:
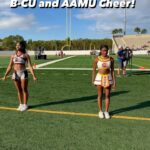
(20, 107)
(107, 116)
(24, 107)
(101, 115)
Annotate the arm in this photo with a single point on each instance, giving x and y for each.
(94, 70)
(30, 67)
(9, 68)
(113, 73)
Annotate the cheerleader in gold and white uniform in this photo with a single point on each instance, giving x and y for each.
(104, 79)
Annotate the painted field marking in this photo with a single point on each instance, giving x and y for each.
(136, 65)
(86, 69)
(52, 62)
(76, 114)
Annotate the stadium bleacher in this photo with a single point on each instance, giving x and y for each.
(135, 42)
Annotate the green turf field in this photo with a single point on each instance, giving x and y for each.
(72, 91)
(142, 61)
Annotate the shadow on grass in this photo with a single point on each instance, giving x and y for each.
(139, 73)
(80, 99)
(141, 105)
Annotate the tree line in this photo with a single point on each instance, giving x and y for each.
(8, 43)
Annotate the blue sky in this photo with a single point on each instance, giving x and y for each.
(48, 24)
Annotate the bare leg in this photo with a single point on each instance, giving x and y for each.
(107, 98)
(124, 67)
(19, 89)
(99, 99)
(24, 85)
(118, 71)
(124, 71)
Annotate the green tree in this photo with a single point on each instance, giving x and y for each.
(144, 31)
(137, 30)
(9, 42)
(115, 31)
(120, 30)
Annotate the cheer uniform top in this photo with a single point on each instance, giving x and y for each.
(104, 80)
(20, 74)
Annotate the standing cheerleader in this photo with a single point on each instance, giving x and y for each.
(18, 62)
(104, 80)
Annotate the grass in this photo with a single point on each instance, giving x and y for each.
(72, 91)
(42, 132)
(76, 62)
(142, 61)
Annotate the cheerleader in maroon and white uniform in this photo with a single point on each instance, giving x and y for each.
(104, 79)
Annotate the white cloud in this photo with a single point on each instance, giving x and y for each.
(4, 3)
(10, 20)
(47, 28)
(104, 20)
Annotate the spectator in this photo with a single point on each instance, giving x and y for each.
(121, 59)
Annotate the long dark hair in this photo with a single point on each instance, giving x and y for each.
(23, 46)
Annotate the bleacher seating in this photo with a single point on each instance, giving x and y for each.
(135, 42)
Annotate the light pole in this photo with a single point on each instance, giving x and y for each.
(125, 19)
(68, 26)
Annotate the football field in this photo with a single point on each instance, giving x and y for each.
(63, 108)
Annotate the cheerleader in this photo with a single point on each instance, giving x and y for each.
(18, 62)
(104, 79)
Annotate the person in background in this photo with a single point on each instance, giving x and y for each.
(128, 55)
(121, 59)
(125, 60)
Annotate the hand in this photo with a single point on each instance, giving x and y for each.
(4, 78)
(114, 86)
(34, 78)
(93, 83)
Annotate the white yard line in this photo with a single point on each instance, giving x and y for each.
(86, 69)
(63, 68)
(52, 62)
(136, 65)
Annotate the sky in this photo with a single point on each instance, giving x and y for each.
(50, 24)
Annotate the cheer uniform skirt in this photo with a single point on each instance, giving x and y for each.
(103, 80)
(20, 75)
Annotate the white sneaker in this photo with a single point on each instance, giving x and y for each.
(20, 107)
(107, 116)
(101, 115)
(24, 107)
